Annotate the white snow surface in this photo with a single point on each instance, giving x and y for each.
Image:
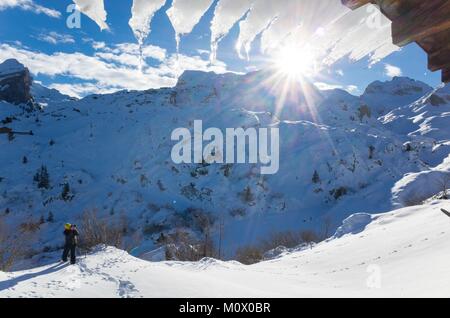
(403, 253)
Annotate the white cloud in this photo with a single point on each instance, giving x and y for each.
(98, 45)
(29, 5)
(110, 68)
(340, 72)
(129, 53)
(392, 71)
(185, 14)
(203, 52)
(352, 89)
(80, 90)
(177, 64)
(55, 38)
(95, 10)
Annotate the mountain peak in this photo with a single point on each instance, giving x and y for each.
(15, 82)
(194, 77)
(400, 91)
(398, 86)
(11, 66)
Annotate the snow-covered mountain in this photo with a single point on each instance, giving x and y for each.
(397, 254)
(112, 153)
(44, 95)
(401, 91)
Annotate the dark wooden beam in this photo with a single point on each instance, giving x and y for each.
(426, 22)
(355, 4)
(446, 75)
(439, 59)
(393, 9)
(435, 42)
(5, 130)
(431, 16)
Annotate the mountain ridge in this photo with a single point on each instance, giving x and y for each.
(113, 153)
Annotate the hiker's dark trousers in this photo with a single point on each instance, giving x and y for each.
(71, 249)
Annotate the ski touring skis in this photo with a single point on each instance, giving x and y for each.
(447, 213)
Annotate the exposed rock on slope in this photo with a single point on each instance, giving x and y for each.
(15, 82)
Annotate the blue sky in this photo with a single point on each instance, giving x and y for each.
(86, 60)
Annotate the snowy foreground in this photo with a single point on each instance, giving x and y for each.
(400, 253)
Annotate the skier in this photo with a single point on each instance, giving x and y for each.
(71, 240)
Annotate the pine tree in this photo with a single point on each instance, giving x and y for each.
(42, 178)
(42, 220)
(247, 195)
(50, 217)
(371, 151)
(65, 195)
(316, 177)
(24, 160)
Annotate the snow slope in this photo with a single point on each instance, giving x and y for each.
(403, 253)
(114, 153)
(44, 95)
(400, 91)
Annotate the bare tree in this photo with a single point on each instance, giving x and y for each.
(221, 233)
(286, 239)
(327, 226)
(182, 246)
(249, 255)
(13, 245)
(444, 185)
(205, 222)
(95, 231)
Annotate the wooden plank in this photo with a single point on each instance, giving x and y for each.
(425, 22)
(439, 59)
(446, 75)
(355, 4)
(429, 17)
(5, 130)
(393, 9)
(435, 41)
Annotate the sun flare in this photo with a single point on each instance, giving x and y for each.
(294, 61)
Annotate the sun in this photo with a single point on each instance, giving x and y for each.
(293, 71)
(294, 61)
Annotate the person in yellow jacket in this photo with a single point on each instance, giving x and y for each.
(71, 240)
